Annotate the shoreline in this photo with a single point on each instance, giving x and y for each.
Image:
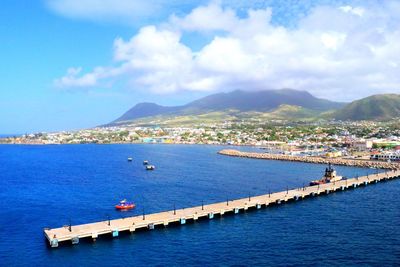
(317, 160)
(131, 143)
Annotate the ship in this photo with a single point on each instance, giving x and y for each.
(329, 177)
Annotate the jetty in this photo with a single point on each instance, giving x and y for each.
(310, 159)
(112, 228)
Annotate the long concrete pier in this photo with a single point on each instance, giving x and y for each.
(182, 216)
(309, 159)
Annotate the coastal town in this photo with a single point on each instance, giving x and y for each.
(364, 140)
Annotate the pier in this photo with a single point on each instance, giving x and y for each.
(73, 233)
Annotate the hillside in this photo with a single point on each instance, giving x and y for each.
(277, 103)
(376, 107)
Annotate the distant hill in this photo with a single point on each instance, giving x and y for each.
(375, 107)
(142, 110)
(285, 101)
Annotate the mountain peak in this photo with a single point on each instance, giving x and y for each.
(240, 100)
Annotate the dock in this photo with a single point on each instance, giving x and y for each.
(73, 233)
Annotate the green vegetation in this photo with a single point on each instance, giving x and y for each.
(376, 107)
(282, 113)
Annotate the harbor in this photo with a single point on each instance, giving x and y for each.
(74, 233)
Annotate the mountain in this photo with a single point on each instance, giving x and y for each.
(291, 112)
(238, 101)
(262, 100)
(142, 110)
(375, 107)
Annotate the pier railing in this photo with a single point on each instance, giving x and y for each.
(74, 233)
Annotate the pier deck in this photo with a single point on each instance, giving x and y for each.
(113, 227)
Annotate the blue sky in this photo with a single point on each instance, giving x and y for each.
(69, 64)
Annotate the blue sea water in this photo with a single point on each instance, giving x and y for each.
(47, 186)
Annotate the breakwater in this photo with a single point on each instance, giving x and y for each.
(317, 160)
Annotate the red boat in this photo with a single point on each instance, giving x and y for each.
(329, 177)
(125, 205)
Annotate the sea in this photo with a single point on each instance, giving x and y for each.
(54, 185)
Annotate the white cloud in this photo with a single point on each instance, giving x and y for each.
(333, 41)
(207, 18)
(343, 52)
(71, 79)
(354, 10)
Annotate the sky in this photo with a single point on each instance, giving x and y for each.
(72, 64)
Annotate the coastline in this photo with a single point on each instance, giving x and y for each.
(317, 160)
(130, 143)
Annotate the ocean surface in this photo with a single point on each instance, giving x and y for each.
(49, 186)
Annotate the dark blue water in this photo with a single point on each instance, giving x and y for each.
(46, 186)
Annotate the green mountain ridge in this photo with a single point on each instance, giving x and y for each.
(376, 107)
(283, 105)
(277, 103)
(283, 112)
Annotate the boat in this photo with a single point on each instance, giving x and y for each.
(145, 162)
(329, 177)
(130, 159)
(125, 205)
(150, 167)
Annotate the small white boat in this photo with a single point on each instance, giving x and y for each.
(150, 167)
(130, 159)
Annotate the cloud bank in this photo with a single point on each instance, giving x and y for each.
(340, 52)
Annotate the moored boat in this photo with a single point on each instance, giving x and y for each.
(145, 162)
(150, 167)
(329, 177)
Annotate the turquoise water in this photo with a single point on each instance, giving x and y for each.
(47, 186)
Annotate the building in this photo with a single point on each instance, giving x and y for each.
(362, 145)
